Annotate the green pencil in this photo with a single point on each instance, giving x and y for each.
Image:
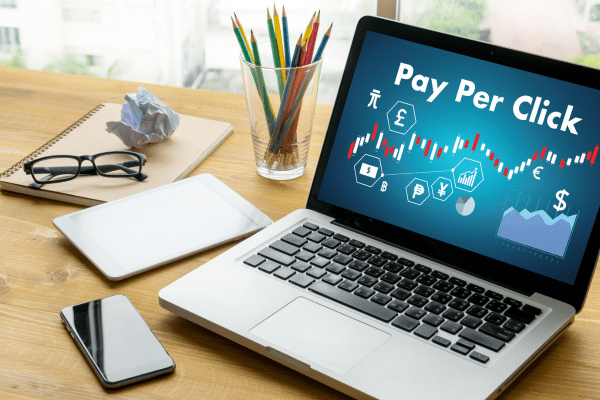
(275, 52)
(238, 35)
(262, 89)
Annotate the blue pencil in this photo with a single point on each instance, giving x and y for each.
(319, 53)
(286, 38)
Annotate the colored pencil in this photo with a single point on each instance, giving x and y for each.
(324, 40)
(296, 106)
(313, 38)
(279, 40)
(307, 57)
(262, 89)
(275, 52)
(288, 87)
(240, 39)
(279, 133)
(309, 28)
(286, 38)
(239, 24)
(290, 129)
(293, 80)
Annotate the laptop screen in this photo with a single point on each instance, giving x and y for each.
(492, 159)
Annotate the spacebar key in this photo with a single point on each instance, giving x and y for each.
(353, 301)
(482, 339)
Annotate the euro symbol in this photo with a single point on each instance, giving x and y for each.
(536, 173)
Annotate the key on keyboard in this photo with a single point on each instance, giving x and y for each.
(354, 302)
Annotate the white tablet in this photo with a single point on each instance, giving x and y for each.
(128, 236)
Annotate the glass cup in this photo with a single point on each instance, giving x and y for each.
(281, 108)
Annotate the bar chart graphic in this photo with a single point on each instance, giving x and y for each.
(433, 150)
(467, 178)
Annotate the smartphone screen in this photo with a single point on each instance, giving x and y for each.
(117, 341)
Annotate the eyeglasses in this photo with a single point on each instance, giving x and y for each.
(113, 164)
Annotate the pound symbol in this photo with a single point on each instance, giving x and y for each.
(399, 118)
(384, 186)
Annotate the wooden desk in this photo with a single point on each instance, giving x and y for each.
(40, 272)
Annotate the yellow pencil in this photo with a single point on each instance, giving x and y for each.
(309, 28)
(239, 24)
(279, 40)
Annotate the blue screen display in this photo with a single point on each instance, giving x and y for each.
(492, 159)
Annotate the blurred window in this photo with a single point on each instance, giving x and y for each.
(9, 39)
(8, 3)
(191, 43)
(567, 30)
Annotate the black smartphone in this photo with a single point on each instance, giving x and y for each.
(116, 341)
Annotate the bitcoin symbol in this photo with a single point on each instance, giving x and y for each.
(399, 118)
(418, 190)
(384, 186)
(442, 190)
(561, 203)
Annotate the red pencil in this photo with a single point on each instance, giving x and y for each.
(313, 38)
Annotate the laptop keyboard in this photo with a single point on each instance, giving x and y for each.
(412, 297)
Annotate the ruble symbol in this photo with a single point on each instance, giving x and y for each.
(418, 190)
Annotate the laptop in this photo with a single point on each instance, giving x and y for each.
(451, 230)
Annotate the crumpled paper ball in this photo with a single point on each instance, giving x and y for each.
(144, 119)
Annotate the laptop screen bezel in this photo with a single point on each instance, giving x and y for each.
(485, 267)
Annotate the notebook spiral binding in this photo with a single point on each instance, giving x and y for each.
(49, 143)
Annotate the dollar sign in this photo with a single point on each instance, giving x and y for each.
(561, 203)
(384, 186)
(368, 170)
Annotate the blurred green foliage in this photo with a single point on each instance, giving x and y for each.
(591, 60)
(70, 64)
(457, 17)
(17, 60)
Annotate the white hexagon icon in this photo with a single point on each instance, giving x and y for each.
(441, 189)
(368, 170)
(401, 117)
(417, 191)
(468, 174)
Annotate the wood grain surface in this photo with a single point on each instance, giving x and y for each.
(40, 272)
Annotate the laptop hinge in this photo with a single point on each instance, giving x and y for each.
(354, 229)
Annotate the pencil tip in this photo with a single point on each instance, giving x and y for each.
(233, 22)
(319, 17)
(268, 13)
(274, 10)
(252, 37)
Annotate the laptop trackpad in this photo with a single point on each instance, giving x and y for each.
(320, 335)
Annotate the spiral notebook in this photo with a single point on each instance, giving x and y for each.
(167, 161)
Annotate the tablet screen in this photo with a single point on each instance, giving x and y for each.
(152, 228)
